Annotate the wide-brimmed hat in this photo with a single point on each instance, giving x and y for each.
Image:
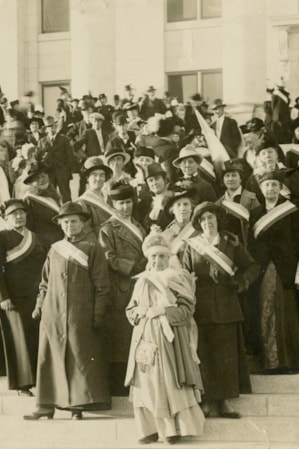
(33, 171)
(151, 89)
(97, 116)
(178, 193)
(144, 151)
(121, 191)
(206, 206)
(187, 151)
(153, 169)
(218, 103)
(96, 163)
(116, 152)
(130, 106)
(38, 120)
(154, 242)
(11, 205)
(70, 208)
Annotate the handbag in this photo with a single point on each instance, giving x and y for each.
(145, 353)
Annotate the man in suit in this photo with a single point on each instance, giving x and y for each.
(95, 138)
(151, 105)
(226, 129)
(55, 152)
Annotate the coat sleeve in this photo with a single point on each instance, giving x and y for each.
(3, 288)
(120, 264)
(100, 279)
(248, 268)
(180, 315)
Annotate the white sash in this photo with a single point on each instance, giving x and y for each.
(273, 216)
(208, 168)
(180, 239)
(130, 226)
(46, 201)
(236, 209)
(69, 251)
(213, 255)
(94, 199)
(21, 248)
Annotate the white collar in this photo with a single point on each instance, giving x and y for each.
(229, 197)
(214, 242)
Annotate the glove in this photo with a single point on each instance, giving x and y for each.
(37, 313)
(7, 305)
(153, 312)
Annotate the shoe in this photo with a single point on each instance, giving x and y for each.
(77, 415)
(173, 439)
(149, 439)
(25, 392)
(35, 416)
(231, 415)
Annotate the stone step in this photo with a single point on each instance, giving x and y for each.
(275, 384)
(105, 432)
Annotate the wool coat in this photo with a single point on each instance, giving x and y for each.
(72, 368)
(125, 259)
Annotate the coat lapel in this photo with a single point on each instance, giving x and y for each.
(125, 234)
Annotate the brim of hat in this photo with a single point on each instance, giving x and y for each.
(120, 153)
(31, 177)
(170, 202)
(223, 105)
(229, 170)
(106, 169)
(81, 214)
(176, 162)
(197, 215)
(19, 207)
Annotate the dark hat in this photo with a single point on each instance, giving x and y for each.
(153, 170)
(96, 163)
(196, 97)
(233, 165)
(165, 127)
(206, 206)
(70, 208)
(178, 193)
(116, 152)
(128, 87)
(121, 191)
(151, 89)
(14, 103)
(38, 120)
(34, 171)
(11, 205)
(75, 99)
(218, 103)
(265, 141)
(29, 93)
(116, 97)
(144, 151)
(63, 90)
(276, 175)
(255, 124)
(102, 96)
(86, 97)
(292, 158)
(120, 119)
(130, 106)
(187, 151)
(49, 121)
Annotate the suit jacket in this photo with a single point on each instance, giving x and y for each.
(230, 136)
(90, 139)
(56, 154)
(150, 108)
(250, 202)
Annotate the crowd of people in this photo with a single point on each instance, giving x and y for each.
(175, 260)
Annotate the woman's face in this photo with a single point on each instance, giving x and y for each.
(180, 111)
(189, 166)
(96, 179)
(158, 261)
(17, 219)
(182, 210)
(270, 189)
(3, 153)
(116, 163)
(41, 181)
(268, 156)
(232, 180)
(71, 225)
(143, 161)
(124, 207)
(156, 184)
(208, 223)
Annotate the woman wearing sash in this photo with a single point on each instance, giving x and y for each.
(163, 373)
(180, 207)
(92, 201)
(21, 259)
(237, 202)
(116, 159)
(223, 269)
(72, 303)
(42, 202)
(121, 237)
(275, 245)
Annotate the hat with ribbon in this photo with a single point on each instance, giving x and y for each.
(70, 208)
(188, 151)
(96, 163)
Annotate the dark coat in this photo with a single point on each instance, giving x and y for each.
(230, 136)
(167, 152)
(218, 302)
(149, 108)
(90, 139)
(204, 189)
(71, 364)
(125, 259)
(58, 154)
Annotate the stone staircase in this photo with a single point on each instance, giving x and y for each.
(270, 420)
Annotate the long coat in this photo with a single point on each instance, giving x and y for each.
(72, 369)
(125, 259)
(230, 136)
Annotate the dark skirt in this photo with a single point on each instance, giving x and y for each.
(279, 323)
(223, 361)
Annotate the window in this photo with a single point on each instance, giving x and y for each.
(182, 86)
(55, 16)
(211, 9)
(50, 94)
(178, 10)
(211, 85)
